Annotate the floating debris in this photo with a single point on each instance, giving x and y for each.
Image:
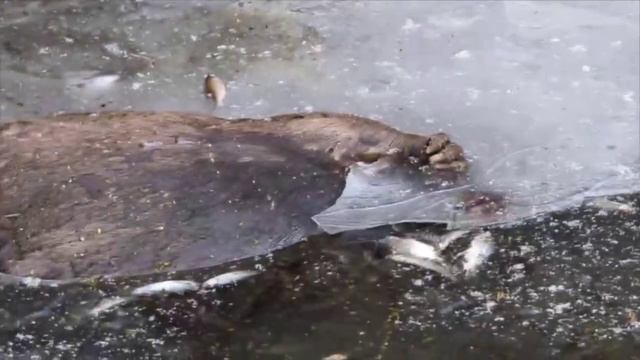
(214, 88)
(228, 278)
(166, 287)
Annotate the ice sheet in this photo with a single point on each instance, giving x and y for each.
(533, 181)
(499, 77)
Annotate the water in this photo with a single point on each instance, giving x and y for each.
(500, 77)
(564, 286)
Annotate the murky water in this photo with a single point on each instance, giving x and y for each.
(499, 76)
(563, 286)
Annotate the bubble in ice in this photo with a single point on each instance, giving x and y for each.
(410, 26)
(578, 48)
(463, 54)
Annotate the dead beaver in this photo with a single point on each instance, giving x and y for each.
(132, 193)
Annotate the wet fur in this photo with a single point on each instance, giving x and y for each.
(129, 193)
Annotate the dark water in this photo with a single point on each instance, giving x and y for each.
(567, 285)
(500, 76)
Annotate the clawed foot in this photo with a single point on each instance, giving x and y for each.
(432, 152)
(442, 154)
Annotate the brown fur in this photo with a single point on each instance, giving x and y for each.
(347, 138)
(127, 193)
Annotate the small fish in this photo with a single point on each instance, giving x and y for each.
(428, 264)
(166, 287)
(411, 247)
(480, 249)
(107, 305)
(214, 88)
(29, 281)
(610, 205)
(92, 81)
(337, 356)
(448, 238)
(414, 252)
(32, 282)
(228, 278)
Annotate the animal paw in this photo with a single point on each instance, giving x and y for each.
(442, 154)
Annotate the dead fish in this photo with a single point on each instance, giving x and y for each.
(93, 81)
(610, 205)
(414, 252)
(107, 305)
(214, 88)
(480, 249)
(33, 282)
(411, 247)
(448, 238)
(228, 278)
(166, 287)
(337, 356)
(428, 264)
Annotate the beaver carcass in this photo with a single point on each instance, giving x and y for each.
(140, 192)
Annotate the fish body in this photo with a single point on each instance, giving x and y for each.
(228, 278)
(215, 89)
(107, 305)
(166, 287)
(480, 249)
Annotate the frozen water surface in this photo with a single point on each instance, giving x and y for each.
(543, 95)
(499, 77)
